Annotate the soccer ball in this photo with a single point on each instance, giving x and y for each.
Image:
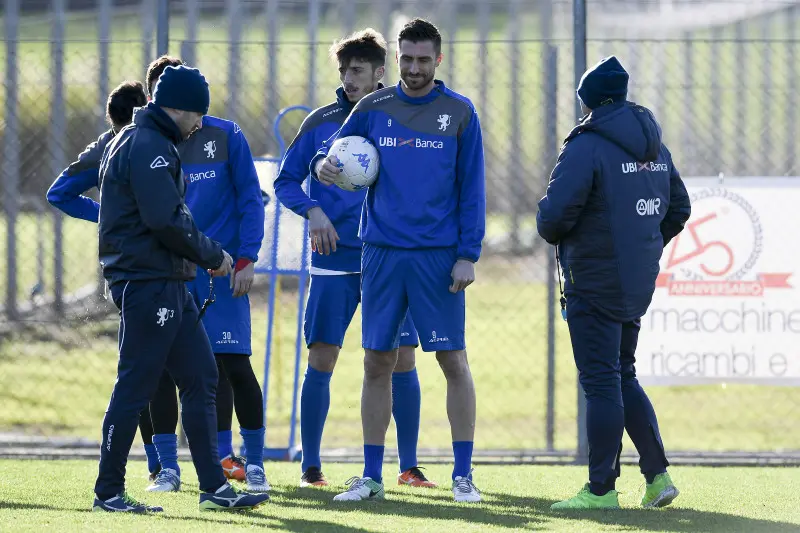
(358, 160)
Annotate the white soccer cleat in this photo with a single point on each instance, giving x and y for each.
(257, 479)
(363, 488)
(167, 480)
(465, 490)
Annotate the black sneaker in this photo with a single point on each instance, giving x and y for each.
(313, 477)
(226, 498)
(123, 504)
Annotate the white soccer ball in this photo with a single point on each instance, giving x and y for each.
(359, 161)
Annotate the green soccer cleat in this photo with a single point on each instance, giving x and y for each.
(660, 493)
(586, 500)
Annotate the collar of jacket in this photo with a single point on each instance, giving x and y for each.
(587, 122)
(344, 102)
(153, 117)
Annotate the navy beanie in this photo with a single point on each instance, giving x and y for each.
(604, 83)
(182, 88)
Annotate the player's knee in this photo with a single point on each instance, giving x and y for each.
(453, 363)
(379, 365)
(406, 359)
(322, 357)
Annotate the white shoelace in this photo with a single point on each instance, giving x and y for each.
(465, 486)
(355, 483)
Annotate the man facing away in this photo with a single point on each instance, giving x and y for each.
(148, 246)
(609, 244)
(422, 225)
(335, 289)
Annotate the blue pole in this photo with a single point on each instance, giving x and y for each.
(274, 272)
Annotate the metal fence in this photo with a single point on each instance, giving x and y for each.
(725, 95)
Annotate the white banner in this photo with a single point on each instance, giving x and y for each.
(727, 301)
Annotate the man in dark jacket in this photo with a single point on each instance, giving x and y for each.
(149, 245)
(614, 201)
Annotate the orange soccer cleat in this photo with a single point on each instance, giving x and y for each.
(414, 477)
(233, 467)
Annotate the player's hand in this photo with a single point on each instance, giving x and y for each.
(320, 229)
(463, 275)
(242, 279)
(327, 170)
(224, 268)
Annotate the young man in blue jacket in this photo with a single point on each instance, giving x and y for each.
(615, 199)
(224, 196)
(66, 191)
(422, 225)
(335, 289)
(148, 247)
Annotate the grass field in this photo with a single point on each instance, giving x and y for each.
(515, 498)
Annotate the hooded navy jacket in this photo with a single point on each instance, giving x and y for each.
(146, 230)
(614, 200)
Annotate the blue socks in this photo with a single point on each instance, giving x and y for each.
(406, 405)
(167, 446)
(152, 457)
(224, 443)
(253, 445)
(462, 451)
(373, 462)
(315, 399)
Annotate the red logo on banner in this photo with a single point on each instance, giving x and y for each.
(717, 251)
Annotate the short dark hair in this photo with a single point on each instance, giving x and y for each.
(119, 107)
(366, 45)
(156, 68)
(418, 30)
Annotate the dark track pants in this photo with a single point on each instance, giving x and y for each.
(158, 329)
(605, 356)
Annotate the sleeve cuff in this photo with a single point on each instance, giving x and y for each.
(241, 263)
(313, 165)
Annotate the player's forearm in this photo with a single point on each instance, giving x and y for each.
(472, 227)
(291, 194)
(66, 194)
(81, 207)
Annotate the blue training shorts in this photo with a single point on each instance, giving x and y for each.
(332, 302)
(227, 320)
(398, 282)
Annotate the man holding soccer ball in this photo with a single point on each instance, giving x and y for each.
(335, 292)
(422, 226)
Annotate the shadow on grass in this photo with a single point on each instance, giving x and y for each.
(670, 519)
(428, 505)
(22, 506)
(256, 518)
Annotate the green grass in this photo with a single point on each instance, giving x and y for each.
(57, 496)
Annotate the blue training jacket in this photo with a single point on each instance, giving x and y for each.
(66, 192)
(614, 200)
(222, 190)
(430, 192)
(341, 207)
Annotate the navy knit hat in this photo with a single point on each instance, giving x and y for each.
(604, 83)
(182, 88)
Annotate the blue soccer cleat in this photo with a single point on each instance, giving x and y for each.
(123, 504)
(226, 498)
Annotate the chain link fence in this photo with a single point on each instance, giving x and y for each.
(725, 97)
